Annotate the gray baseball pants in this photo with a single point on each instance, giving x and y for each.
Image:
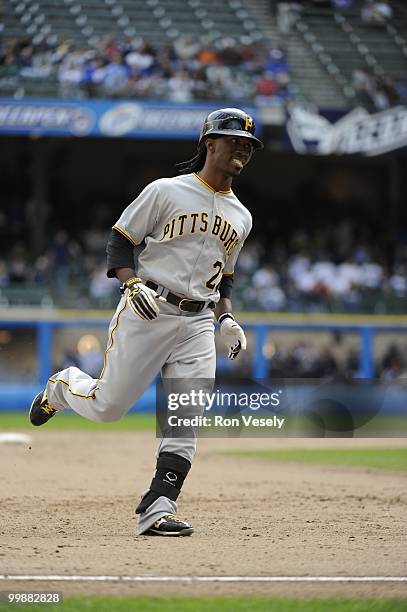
(177, 344)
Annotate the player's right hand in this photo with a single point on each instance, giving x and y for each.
(142, 299)
(232, 335)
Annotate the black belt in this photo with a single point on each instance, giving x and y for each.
(183, 304)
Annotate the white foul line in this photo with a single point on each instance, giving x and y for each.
(63, 578)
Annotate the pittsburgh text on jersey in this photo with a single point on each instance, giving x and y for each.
(194, 223)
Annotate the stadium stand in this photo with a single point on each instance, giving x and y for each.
(93, 50)
(327, 53)
(49, 43)
(363, 57)
(312, 82)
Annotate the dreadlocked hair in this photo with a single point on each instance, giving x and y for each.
(196, 163)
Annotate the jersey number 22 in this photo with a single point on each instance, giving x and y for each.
(214, 282)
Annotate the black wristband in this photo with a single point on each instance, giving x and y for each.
(225, 315)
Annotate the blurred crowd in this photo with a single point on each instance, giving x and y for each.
(73, 271)
(333, 358)
(185, 70)
(325, 356)
(188, 68)
(328, 269)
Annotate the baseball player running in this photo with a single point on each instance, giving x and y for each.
(194, 227)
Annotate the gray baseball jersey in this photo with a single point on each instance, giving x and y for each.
(193, 234)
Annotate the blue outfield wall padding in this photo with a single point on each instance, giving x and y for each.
(18, 396)
(15, 397)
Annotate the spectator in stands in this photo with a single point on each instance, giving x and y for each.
(59, 48)
(186, 47)
(18, 270)
(387, 87)
(267, 88)
(380, 92)
(116, 75)
(70, 75)
(229, 52)
(363, 81)
(206, 54)
(93, 73)
(268, 292)
(398, 280)
(180, 87)
(42, 272)
(393, 364)
(241, 88)
(59, 253)
(276, 62)
(252, 56)
(217, 74)
(140, 59)
(376, 13)
(108, 46)
(34, 65)
(287, 15)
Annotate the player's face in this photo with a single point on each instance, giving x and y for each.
(231, 154)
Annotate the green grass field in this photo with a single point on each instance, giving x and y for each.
(212, 604)
(378, 458)
(380, 426)
(16, 421)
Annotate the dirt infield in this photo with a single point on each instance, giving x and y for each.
(68, 508)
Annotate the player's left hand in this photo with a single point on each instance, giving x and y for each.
(142, 299)
(233, 336)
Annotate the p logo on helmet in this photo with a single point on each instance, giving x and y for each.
(249, 124)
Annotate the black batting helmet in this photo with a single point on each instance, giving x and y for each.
(230, 122)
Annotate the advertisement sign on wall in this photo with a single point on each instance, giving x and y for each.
(104, 118)
(356, 132)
